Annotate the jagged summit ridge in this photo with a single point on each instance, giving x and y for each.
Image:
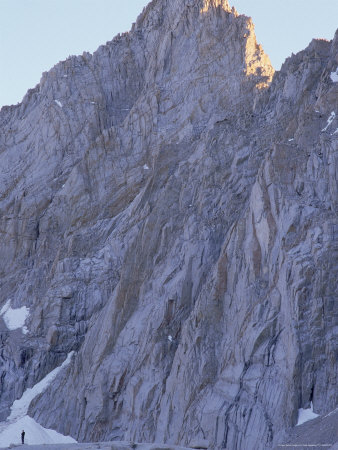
(166, 15)
(171, 220)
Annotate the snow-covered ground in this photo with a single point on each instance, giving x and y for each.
(35, 434)
(10, 430)
(14, 318)
(306, 414)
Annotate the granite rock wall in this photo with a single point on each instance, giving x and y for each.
(168, 210)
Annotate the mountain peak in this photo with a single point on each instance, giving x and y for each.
(175, 228)
(184, 33)
(208, 4)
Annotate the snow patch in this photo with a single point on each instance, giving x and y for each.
(170, 338)
(146, 167)
(35, 434)
(304, 415)
(291, 139)
(334, 76)
(58, 103)
(330, 120)
(15, 318)
(10, 430)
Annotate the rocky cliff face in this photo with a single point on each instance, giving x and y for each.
(171, 217)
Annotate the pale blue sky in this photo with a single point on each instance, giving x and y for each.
(36, 34)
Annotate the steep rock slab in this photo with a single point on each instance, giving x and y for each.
(171, 235)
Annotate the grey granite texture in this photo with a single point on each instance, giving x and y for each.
(317, 434)
(172, 217)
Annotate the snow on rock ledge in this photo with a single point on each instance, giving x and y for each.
(334, 76)
(304, 415)
(15, 318)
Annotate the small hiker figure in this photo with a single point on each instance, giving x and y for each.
(23, 436)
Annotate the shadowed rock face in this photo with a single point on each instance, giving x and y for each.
(172, 219)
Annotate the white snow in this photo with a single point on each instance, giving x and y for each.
(330, 120)
(35, 434)
(10, 430)
(58, 103)
(291, 139)
(335, 132)
(305, 415)
(334, 76)
(146, 167)
(170, 338)
(14, 318)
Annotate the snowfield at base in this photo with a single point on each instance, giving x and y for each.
(10, 430)
(35, 434)
(305, 415)
(14, 318)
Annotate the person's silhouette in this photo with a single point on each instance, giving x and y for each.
(23, 436)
